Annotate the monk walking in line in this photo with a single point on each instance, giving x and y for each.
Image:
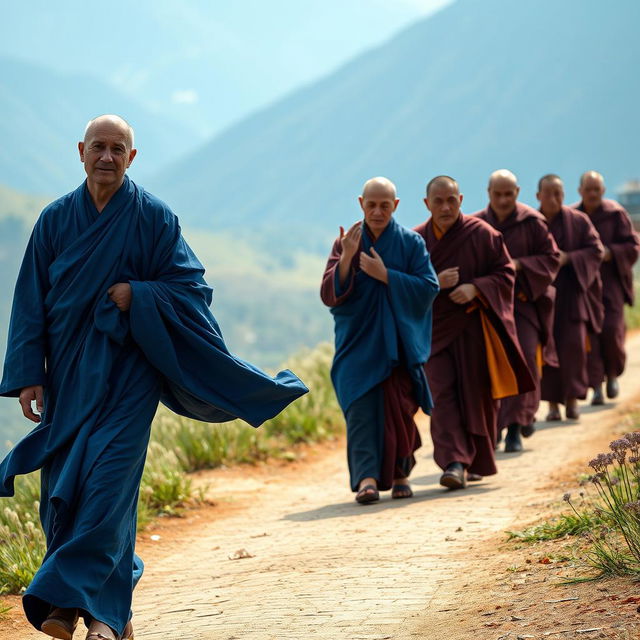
(578, 308)
(110, 316)
(475, 355)
(536, 260)
(380, 285)
(607, 356)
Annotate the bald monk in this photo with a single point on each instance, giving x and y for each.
(110, 316)
(536, 259)
(607, 357)
(475, 356)
(578, 308)
(380, 285)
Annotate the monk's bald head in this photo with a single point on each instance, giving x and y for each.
(110, 121)
(442, 181)
(589, 176)
(378, 202)
(504, 177)
(503, 193)
(591, 190)
(379, 186)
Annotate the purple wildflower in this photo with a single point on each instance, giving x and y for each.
(567, 497)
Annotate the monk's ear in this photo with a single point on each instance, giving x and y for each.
(361, 201)
(396, 203)
(132, 155)
(517, 192)
(426, 202)
(461, 198)
(81, 151)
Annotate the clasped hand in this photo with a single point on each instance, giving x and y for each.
(120, 295)
(462, 294)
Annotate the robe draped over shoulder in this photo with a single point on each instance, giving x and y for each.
(379, 326)
(103, 373)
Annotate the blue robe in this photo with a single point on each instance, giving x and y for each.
(379, 326)
(103, 373)
(383, 340)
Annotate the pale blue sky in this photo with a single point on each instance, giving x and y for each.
(208, 62)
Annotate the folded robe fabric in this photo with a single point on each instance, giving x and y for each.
(103, 372)
(379, 326)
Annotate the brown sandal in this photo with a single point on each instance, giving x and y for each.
(127, 634)
(61, 623)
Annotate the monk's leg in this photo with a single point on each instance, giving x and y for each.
(451, 442)
(613, 336)
(90, 563)
(519, 411)
(401, 435)
(365, 437)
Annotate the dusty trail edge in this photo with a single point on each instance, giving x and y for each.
(283, 551)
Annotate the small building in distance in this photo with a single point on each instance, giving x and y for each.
(629, 198)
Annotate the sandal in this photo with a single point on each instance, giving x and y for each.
(60, 623)
(399, 491)
(127, 634)
(368, 493)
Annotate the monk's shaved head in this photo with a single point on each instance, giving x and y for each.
(115, 120)
(380, 185)
(549, 177)
(591, 175)
(504, 176)
(442, 180)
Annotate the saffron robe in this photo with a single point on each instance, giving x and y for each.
(607, 356)
(103, 373)
(382, 338)
(528, 240)
(578, 307)
(466, 338)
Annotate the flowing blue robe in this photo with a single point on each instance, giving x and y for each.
(379, 326)
(103, 373)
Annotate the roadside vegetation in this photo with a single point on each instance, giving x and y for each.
(600, 526)
(178, 447)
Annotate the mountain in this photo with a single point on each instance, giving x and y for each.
(44, 113)
(536, 87)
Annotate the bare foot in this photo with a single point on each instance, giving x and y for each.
(401, 488)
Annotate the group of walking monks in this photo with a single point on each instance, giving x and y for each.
(474, 319)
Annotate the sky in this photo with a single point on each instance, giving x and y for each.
(208, 63)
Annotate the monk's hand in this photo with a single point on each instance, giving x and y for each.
(120, 295)
(373, 266)
(515, 263)
(607, 255)
(464, 293)
(350, 241)
(564, 258)
(29, 395)
(449, 277)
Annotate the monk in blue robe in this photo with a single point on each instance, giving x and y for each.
(380, 285)
(110, 316)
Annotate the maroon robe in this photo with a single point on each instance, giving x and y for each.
(607, 356)
(527, 237)
(578, 306)
(463, 420)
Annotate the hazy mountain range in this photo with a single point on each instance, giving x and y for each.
(536, 86)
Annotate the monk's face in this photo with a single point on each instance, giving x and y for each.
(106, 153)
(592, 191)
(378, 204)
(503, 194)
(444, 201)
(551, 196)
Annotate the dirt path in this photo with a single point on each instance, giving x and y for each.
(321, 566)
